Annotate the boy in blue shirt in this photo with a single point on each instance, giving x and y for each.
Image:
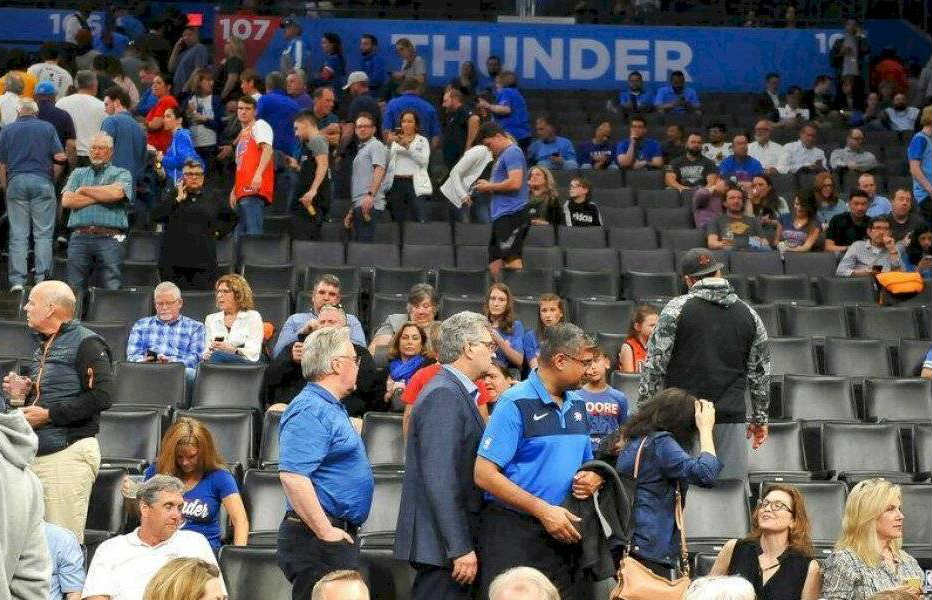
(607, 407)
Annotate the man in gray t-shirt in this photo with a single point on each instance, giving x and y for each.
(368, 171)
(311, 199)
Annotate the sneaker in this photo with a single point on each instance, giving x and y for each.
(16, 288)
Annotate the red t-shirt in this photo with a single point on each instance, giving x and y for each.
(425, 374)
(161, 139)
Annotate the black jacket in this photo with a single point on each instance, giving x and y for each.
(192, 228)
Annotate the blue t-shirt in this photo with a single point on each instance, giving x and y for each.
(666, 95)
(279, 111)
(506, 203)
(515, 339)
(337, 64)
(647, 149)
(517, 122)
(129, 143)
(67, 561)
(373, 65)
(740, 170)
(531, 345)
(589, 151)
(201, 510)
(927, 362)
(430, 122)
(880, 206)
(540, 150)
(920, 148)
(538, 445)
(608, 411)
(645, 100)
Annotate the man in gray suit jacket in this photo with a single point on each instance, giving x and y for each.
(438, 519)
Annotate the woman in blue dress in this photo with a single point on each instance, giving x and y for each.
(507, 333)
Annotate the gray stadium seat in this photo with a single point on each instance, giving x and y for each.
(592, 259)
(381, 434)
(233, 431)
(597, 316)
(647, 261)
(774, 288)
(855, 451)
(585, 284)
(396, 281)
(124, 305)
(581, 237)
(814, 321)
(253, 572)
(129, 438)
(228, 386)
(899, 399)
(856, 358)
(792, 355)
(845, 290)
(632, 238)
(818, 398)
(717, 514)
(265, 249)
(427, 256)
(268, 443)
(527, 282)
(462, 281)
(264, 499)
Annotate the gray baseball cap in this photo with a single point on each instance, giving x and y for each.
(355, 77)
(699, 261)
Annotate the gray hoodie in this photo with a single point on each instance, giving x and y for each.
(25, 570)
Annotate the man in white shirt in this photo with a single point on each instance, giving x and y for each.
(803, 154)
(9, 101)
(716, 149)
(123, 565)
(50, 70)
(763, 149)
(87, 112)
(77, 21)
(900, 116)
(793, 112)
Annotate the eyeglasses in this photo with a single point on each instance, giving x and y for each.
(491, 345)
(585, 363)
(355, 358)
(169, 303)
(773, 505)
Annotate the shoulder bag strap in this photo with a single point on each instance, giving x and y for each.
(637, 466)
(678, 517)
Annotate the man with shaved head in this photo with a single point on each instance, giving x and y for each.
(68, 385)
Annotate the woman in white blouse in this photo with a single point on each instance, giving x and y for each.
(409, 155)
(234, 335)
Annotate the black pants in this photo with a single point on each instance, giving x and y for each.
(436, 583)
(510, 539)
(305, 559)
(403, 202)
(188, 278)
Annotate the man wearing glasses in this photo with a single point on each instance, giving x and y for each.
(194, 219)
(368, 172)
(527, 463)
(323, 467)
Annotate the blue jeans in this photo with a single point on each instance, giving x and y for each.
(480, 211)
(363, 230)
(219, 357)
(85, 252)
(30, 201)
(251, 213)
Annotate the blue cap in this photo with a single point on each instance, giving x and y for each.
(46, 88)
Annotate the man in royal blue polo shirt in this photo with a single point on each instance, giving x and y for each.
(323, 467)
(410, 99)
(535, 442)
(276, 108)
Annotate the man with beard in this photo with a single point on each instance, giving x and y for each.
(696, 178)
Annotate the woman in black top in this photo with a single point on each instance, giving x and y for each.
(776, 557)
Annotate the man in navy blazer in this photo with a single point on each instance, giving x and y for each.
(439, 515)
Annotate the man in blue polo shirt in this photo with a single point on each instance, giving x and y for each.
(410, 99)
(323, 467)
(527, 463)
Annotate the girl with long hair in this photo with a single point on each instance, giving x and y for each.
(633, 352)
(507, 332)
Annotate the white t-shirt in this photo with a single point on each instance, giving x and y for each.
(9, 108)
(262, 132)
(123, 565)
(88, 113)
(59, 77)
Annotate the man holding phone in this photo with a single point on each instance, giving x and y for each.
(877, 254)
(550, 150)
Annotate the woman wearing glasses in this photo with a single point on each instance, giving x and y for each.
(776, 557)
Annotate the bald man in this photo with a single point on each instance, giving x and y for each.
(69, 384)
(340, 585)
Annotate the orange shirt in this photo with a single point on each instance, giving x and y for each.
(638, 350)
(248, 154)
(425, 374)
(29, 83)
(160, 139)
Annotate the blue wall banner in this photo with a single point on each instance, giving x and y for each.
(593, 57)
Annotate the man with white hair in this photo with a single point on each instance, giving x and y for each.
(9, 101)
(98, 196)
(29, 151)
(720, 588)
(522, 583)
(86, 110)
(323, 467)
(341, 585)
(69, 384)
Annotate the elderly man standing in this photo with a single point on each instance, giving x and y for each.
(438, 523)
(29, 151)
(69, 384)
(535, 442)
(123, 565)
(98, 196)
(9, 100)
(323, 467)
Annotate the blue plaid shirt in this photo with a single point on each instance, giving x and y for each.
(183, 340)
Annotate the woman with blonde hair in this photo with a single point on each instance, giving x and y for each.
(869, 557)
(234, 335)
(186, 579)
(543, 196)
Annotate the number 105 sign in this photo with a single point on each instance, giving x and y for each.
(255, 32)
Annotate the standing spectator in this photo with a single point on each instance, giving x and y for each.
(60, 120)
(507, 332)
(98, 196)
(803, 155)
(850, 52)
(333, 70)
(359, 85)
(493, 67)
(799, 230)
(676, 97)
(827, 202)
(250, 84)
(528, 466)
(326, 290)
(29, 149)
(129, 139)
(639, 151)
(234, 335)
(159, 138)
(255, 173)
(510, 109)
(738, 167)
(878, 253)
(104, 81)
(188, 55)
(736, 230)
(716, 149)
(410, 99)
(408, 157)
(293, 57)
(467, 203)
(368, 172)
(406, 355)
(820, 99)
(412, 65)
(204, 112)
(850, 101)
(324, 101)
(50, 70)
(466, 80)
(439, 519)
(371, 63)
(311, 198)
(900, 117)
(296, 87)
(607, 407)
(17, 63)
(919, 154)
(767, 152)
(633, 350)
(579, 210)
(768, 102)
(194, 218)
(87, 113)
(147, 99)
(879, 205)
(67, 560)
(64, 396)
(119, 77)
(460, 125)
(636, 99)
(77, 21)
(323, 467)
(598, 153)
(683, 346)
(794, 112)
(9, 100)
(180, 151)
(903, 219)
(675, 144)
(279, 111)
(853, 157)
(543, 197)
(508, 186)
(550, 150)
(230, 68)
(848, 227)
(498, 380)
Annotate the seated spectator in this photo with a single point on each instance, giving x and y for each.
(520, 583)
(903, 219)
(917, 255)
(633, 352)
(767, 152)
(185, 579)
(67, 558)
(868, 558)
(768, 102)
(716, 149)
(638, 151)
(406, 356)
(827, 202)
(598, 153)
(776, 557)
(550, 310)
(498, 380)
(879, 205)
(721, 588)
(853, 157)
(849, 100)
(607, 407)
(739, 168)
(235, 334)
(180, 150)
(799, 230)
(326, 290)
(803, 155)
(691, 170)
(580, 210)
(877, 254)
(422, 309)
(340, 585)
(507, 332)
(123, 565)
(676, 97)
(169, 336)
(408, 156)
(549, 150)
(188, 451)
(849, 226)
(900, 116)
(793, 112)
(636, 99)
(766, 205)
(735, 230)
(675, 144)
(820, 98)
(890, 69)
(543, 197)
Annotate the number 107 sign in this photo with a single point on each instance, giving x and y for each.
(255, 32)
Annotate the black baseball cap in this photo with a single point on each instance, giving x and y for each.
(699, 261)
